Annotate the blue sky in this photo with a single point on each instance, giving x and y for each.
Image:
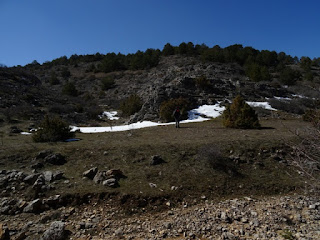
(43, 30)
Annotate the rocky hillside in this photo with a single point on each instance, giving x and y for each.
(79, 92)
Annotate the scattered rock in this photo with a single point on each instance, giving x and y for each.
(111, 182)
(156, 160)
(43, 154)
(36, 206)
(15, 129)
(100, 177)
(55, 159)
(55, 232)
(4, 233)
(91, 173)
(30, 179)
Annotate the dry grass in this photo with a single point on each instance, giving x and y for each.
(131, 152)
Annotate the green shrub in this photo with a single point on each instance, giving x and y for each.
(202, 82)
(313, 116)
(65, 73)
(70, 89)
(52, 130)
(54, 79)
(288, 76)
(167, 108)
(131, 105)
(107, 83)
(240, 115)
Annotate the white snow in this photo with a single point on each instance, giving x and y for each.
(110, 115)
(283, 98)
(203, 113)
(265, 105)
(25, 133)
(200, 114)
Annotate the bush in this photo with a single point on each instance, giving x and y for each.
(131, 105)
(54, 79)
(202, 82)
(240, 115)
(313, 116)
(52, 130)
(65, 73)
(107, 83)
(167, 108)
(288, 76)
(70, 89)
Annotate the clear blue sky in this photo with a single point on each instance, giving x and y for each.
(43, 30)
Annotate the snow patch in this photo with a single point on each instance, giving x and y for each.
(203, 113)
(264, 105)
(110, 115)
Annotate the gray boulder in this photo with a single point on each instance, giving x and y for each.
(43, 154)
(30, 179)
(39, 183)
(48, 176)
(111, 182)
(55, 159)
(156, 160)
(34, 207)
(91, 173)
(100, 177)
(56, 231)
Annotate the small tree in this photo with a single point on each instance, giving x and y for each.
(52, 130)
(131, 105)
(288, 76)
(167, 108)
(203, 82)
(70, 89)
(107, 83)
(240, 115)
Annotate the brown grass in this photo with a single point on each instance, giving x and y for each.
(131, 152)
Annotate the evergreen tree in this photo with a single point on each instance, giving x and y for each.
(240, 115)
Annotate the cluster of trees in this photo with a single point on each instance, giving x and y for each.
(258, 65)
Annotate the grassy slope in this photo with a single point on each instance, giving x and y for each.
(186, 167)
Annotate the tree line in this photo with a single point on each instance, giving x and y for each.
(258, 65)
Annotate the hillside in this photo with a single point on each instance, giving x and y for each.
(201, 181)
(81, 87)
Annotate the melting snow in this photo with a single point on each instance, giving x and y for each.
(203, 113)
(110, 115)
(200, 114)
(265, 105)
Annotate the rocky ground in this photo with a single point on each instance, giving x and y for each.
(280, 217)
